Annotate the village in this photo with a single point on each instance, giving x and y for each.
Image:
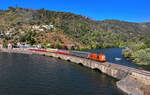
(20, 45)
(38, 29)
(10, 32)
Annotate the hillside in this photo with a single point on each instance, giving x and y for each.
(40, 26)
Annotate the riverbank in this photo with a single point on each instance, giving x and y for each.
(123, 73)
(16, 50)
(141, 57)
(139, 53)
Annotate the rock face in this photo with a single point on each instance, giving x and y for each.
(132, 81)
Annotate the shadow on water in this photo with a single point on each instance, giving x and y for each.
(68, 60)
(81, 64)
(97, 70)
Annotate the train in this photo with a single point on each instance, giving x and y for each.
(93, 56)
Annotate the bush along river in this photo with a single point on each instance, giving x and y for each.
(22, 74)
(115, 55)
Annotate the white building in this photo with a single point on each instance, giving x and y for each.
(39, 46)
(10, 45)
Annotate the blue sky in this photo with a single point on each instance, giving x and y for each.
(127, 10)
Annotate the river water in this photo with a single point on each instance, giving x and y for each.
(40, 75)
(113, 53)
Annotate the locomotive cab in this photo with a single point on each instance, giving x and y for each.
(102, 57)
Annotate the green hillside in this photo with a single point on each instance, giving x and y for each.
(68, 29)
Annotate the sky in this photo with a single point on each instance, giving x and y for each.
(126, 10)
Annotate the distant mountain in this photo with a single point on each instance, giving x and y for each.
(80, 31)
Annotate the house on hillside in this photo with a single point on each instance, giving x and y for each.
(11, 45)
(48, 27)
(23, 45)
(19, 44)
(39, 46)
(35, 27)
(38, 28)
(8, 32)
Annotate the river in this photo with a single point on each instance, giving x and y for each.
(113, 53)
(22, 74)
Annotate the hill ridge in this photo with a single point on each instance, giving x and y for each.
(83, 31)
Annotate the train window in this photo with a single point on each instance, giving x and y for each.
(97, 57)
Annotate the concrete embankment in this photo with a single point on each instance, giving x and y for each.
(131, 81)
(133, 87)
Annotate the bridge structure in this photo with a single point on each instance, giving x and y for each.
(130, 80)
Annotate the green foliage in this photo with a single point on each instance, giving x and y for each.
(142, 56)
(127, 53)
(142, 47)
(139, 54)
(58, 46)
(22, 38)
(89, 33)
(5, 45)
(51, 46)
(29, 37)
(82, 49)
(32, 41)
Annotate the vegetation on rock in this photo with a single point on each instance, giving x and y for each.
(139, 53)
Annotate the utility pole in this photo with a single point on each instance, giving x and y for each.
(16, 5)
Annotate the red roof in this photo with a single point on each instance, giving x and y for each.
(11, 43)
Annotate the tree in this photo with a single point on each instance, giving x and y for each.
(32, 41)
(22, 38)
(11, 8)
(30, 37)
(58, 46)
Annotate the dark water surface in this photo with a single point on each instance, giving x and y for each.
(40, 75)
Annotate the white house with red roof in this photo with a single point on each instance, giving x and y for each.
(11, 45)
